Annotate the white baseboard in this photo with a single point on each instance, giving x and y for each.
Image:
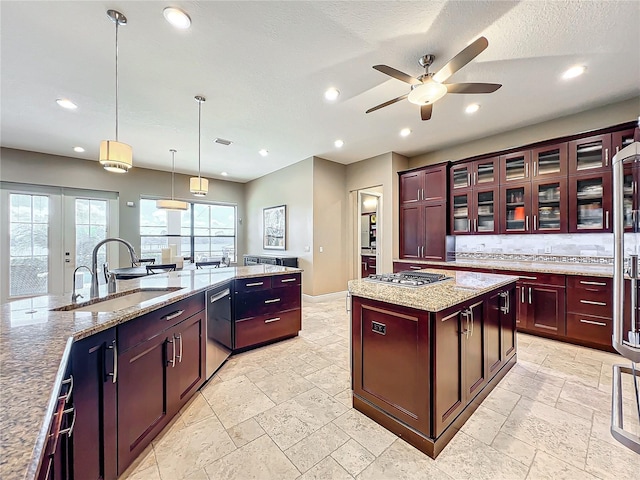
(326, 297)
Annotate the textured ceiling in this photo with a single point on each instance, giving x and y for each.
(263, 67)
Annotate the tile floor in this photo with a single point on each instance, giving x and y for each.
(284, 412)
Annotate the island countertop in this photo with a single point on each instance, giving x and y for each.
(35, 343)
(462, 286)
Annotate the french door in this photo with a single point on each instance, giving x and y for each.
(50, 231)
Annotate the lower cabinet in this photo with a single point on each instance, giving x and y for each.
(541, 303)
(500, 328)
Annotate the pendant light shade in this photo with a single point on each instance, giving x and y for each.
(172, 204)
(116, 156)
(199, 186)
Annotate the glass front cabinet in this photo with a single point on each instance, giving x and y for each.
(516, 208)
(550, 161)
(549, 206)
(591, 154)
(590, 208)
(475, 212)
(515, 167)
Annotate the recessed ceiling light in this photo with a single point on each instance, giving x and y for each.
(332, 94)
(66, 103)
(78, 149)
(264, 152)
(405, 132)
(338, 143)
(176, 17)
(224, 174)
(472, 108)
(574, 72)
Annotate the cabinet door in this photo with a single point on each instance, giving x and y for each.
(590, 201)
(486, 173)
(546, 309)
(549, 206)
(521, 306)
(142, 396)
(515, 167)
(492, 331)
(475, 368)
(410, 231)
(188, 374)
(94, 446)
(434, 232)
(448, 395)
(630, 198)
(516, 207)
(621, 139)
(485, 211)
(435, 184)
(460, 176)
(550, 161)
(461, 211)
(411, 185)
(508, 324)
(590, 154)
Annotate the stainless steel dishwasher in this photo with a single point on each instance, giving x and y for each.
(219, 327)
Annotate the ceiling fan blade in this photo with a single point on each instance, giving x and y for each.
(392, 72)
(390, 102)
(472, 87)
(425, 111)
(461, 59)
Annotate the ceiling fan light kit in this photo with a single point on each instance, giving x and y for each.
(428, 88)
(115, 156)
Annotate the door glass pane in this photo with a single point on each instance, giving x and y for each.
(590, 213)
(485, 211)
(549, 206)
(515, 209)
(627, 202)
(589, 155)
(28, 244)
(461, 213)
(486, 173)
(91, 228)
(549, 162)
(514, 168)
(461, 177)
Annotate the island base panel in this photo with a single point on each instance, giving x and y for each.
(432, 447)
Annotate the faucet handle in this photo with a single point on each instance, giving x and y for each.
(75, 297)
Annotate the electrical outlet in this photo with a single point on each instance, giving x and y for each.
(547, 249)
(307, 248)
(321, 249)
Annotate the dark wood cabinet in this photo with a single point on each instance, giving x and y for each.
(590, 203)
(475, 211)
(546, 309)
(550, 161)
(515, 204)
(368, 265)
(424, 185)
(94, 366)
(499, 329)
(549, 205)
(475, 365)
(590, 155)
(477, 174)
(515, 167)
(411, 224)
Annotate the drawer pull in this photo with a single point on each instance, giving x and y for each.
(600, 284)
(591, 302)
(274, 300)
(254, 284)
(272, 320)
(413, 267)
(591, 322)
(528, 278)
(69, 431)
(288, 280)
(68, 381)
(173, 315)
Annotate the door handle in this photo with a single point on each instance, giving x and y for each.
(173, 360)
(521, 294)
(114, 347)
(529, 295)
(179, 338)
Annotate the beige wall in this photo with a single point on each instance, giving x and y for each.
(42, 169)
(291, 186)
(329, 227)
(613, 114)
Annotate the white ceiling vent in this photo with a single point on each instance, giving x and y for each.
(222, 141)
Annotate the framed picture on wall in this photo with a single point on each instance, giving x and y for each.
(274, 227)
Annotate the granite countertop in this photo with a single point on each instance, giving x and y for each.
(584, 269)
(35, 343)
(462, 286)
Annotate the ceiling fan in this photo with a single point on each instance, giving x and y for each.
(429, 87)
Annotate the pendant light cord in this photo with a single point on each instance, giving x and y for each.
(173, 169)
(199, 140)
(117, 22)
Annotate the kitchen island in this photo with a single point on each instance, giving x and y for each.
(38, 337)
(423, 358)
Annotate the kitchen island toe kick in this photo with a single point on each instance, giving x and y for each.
(424, 358)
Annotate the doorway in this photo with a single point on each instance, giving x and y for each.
(370, 232)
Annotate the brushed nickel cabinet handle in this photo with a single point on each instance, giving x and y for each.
(173, 315)
(606, 157)
(591, 302)
(526, 170)
(535, 222)
(254, 284)
(606, 219)
(114, 375)
(527, 223)
(469, 179)
(67, 397)
(272, 320)
(535, 168)
(475, 224)
(529, 295)
(414, 267)
(474, 178)
(521, 294)
(591, 322)
(173, 360)
(528, 278)
(69, 431)
(179, 338)
(273, 300)
(600, 284)
(288, 280)
(471, 311)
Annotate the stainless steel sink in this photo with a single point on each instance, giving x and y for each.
(118, 301)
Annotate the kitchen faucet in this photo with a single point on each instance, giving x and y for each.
(94, 261)
(74, 295)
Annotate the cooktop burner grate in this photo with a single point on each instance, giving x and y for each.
(408, 278)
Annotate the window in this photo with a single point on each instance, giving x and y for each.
(204, 231)
(91, 228)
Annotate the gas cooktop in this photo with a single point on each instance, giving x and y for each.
(408, 278)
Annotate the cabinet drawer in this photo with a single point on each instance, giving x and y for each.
(278, 281)
(265, 302)
(265, 328)
(537, 278)
(589, 328)
(590, 302)
(153, 323)
(252, 284)
(590, 283)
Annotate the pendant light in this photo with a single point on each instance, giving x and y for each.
(116, 156)
(199, 186)
(172, 204)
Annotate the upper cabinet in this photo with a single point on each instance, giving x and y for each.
(590, 154)
(477, 174)
(550, 161)
(426, 185)
(515, 167)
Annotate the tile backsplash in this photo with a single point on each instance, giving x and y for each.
(572, 248)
